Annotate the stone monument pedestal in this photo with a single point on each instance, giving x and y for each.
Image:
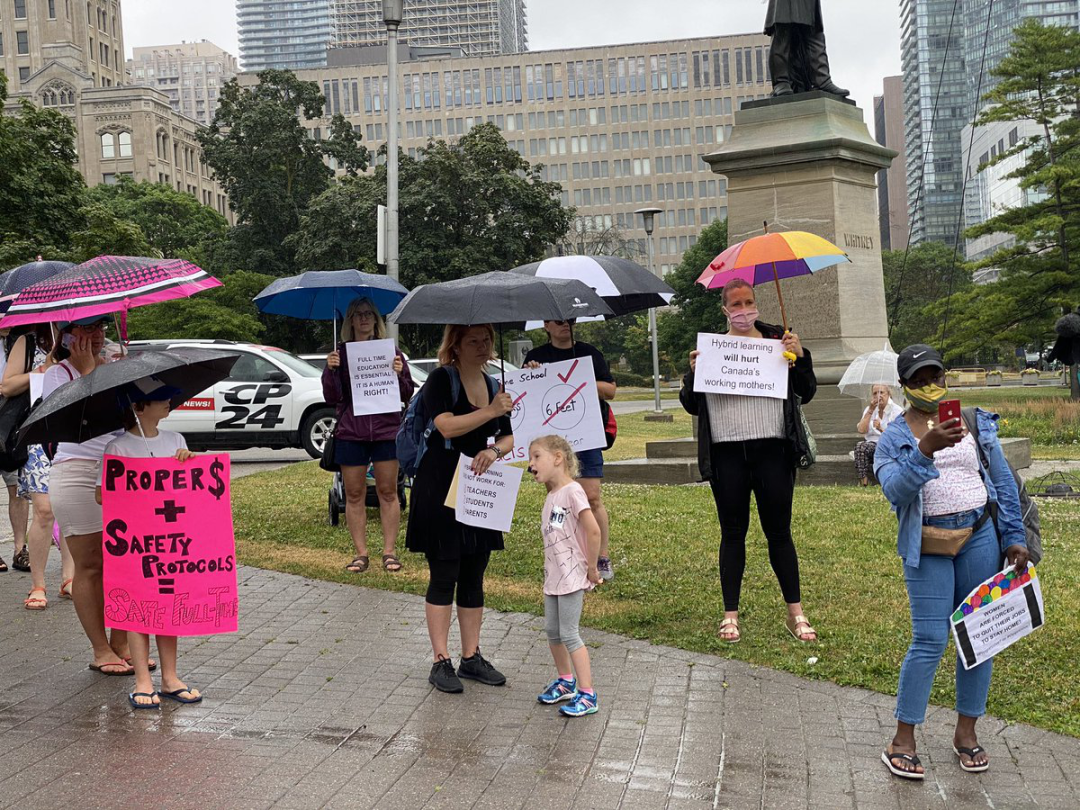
(808, 163)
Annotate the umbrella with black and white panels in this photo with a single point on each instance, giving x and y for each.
(624, 285)
(91, 406)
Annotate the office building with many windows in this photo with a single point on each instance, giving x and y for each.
(478, 27)
(191, 74)
(283, 34)
(620, 127)
(892, 187)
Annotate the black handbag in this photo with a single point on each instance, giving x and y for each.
(326, 461)
(13, 412)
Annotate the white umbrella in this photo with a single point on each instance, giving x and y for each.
(868, 370)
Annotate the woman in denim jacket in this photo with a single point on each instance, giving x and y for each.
(933, 476)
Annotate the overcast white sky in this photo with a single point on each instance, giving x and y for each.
(863, 35)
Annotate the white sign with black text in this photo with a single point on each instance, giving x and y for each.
(748, 367)
(487, 501)
(372, 377)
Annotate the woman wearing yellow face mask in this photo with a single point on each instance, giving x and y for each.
(939, 488)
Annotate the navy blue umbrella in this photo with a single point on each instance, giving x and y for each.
(325, 295)
(15, 281)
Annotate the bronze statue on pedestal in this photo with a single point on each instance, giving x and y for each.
(797, 59)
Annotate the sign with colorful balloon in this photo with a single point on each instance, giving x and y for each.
(997, 614)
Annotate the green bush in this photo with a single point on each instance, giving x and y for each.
(629, 379)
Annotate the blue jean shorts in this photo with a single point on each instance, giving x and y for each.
(361, 454)
(591, 463)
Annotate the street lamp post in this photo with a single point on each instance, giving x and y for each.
(393, 10)
(648, 216)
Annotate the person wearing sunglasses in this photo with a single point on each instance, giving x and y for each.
(562, 346)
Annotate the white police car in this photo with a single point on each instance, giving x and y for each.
(272, 398)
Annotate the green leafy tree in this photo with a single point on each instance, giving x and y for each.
(270, 167)
(40, 188)
(102, 232)
(915, 286)
(1039, 269)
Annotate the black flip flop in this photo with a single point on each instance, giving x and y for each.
(136, 705)
(125, 674)
(911, 759)
(175, 695)
(971, 753)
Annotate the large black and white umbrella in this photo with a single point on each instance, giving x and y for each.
(624, 285)
(92, 406)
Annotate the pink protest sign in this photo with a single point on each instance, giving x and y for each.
(168, 546)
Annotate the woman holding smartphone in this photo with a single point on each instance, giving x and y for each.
(942, 493)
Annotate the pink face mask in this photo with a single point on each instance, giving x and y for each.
(744, 320)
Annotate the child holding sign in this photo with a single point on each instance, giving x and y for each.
(146, 403)
(571, 548)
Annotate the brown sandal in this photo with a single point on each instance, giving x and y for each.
(728, 627)
(358, 566)
(391, 559)
(799, 628)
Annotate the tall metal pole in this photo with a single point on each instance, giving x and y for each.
(648, 215)
(392, 13)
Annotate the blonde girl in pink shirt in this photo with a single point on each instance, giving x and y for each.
(571, 548)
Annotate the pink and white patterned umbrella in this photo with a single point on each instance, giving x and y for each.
(107, 285)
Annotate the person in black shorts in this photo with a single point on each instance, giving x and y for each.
(564, 347)
(457, 554)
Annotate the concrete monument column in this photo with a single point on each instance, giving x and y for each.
(807, 162)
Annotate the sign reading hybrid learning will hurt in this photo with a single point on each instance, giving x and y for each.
(996, 614)
(168, 547)
(742, 366)
(486, 501)
(372, 377)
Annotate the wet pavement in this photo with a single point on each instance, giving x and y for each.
(322, 700)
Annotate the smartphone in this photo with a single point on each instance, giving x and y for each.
(68, 340)
(948, 409)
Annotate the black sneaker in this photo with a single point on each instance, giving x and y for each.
(442, 677)
(480, 669)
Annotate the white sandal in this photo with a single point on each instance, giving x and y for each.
(730, 623)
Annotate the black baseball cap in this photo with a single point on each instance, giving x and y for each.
(915, 357)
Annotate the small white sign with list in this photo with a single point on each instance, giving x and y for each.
(487, 501)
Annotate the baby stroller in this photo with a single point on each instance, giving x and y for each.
(371, 501)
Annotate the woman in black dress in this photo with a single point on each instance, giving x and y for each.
(457, 554)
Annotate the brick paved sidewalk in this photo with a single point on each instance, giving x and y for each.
(322, 700)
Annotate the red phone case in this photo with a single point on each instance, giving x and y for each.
(948, 409)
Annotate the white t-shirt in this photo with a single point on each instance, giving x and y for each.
(91, 450)
(892, 410)
(133, 445)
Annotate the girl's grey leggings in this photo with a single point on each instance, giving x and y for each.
(561, 617)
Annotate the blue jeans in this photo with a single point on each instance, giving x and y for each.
(935, 588)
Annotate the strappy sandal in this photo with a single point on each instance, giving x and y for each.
(389, 560)
(727, 628)
(910, 759)
(3, 566)
(794, 623)
(971, 753)
(358, 566)
(32, 602)
(65, 589)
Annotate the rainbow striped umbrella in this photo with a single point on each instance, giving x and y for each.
(771, 257)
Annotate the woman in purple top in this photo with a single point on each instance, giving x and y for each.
(364, 440)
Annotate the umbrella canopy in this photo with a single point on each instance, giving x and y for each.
(868, 370)
(15, 281)
(91, 406)
(324, 295)
(771, 257)
(106, 285)
(501, 298)
(624, 285)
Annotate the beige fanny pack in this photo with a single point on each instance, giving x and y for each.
(941, 542)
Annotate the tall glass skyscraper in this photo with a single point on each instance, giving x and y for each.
(283, 34)
(478, 27)
(937, 105)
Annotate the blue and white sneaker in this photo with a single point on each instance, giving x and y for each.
(558, 690)
(582, 705)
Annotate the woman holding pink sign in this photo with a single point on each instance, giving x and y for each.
(752, 445)
(365, 440)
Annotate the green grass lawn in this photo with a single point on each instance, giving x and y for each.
(634, 432)
(667, 588)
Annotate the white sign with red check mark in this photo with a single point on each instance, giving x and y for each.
(557, 398)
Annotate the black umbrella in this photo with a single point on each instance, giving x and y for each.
(624, 285)
(91, 406)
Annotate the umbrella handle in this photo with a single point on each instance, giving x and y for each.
(780, 295)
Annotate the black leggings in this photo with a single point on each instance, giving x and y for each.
(466, 573)
(760, 466)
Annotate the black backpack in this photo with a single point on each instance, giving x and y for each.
(1029, 510)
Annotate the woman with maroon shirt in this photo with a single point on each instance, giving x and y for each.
(364, 440)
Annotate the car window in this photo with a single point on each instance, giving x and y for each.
(294, 363)
(251, 368)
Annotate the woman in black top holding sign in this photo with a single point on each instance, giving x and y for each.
(457, 554)
(751, 445)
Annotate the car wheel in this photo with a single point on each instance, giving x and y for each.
(316, 430)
